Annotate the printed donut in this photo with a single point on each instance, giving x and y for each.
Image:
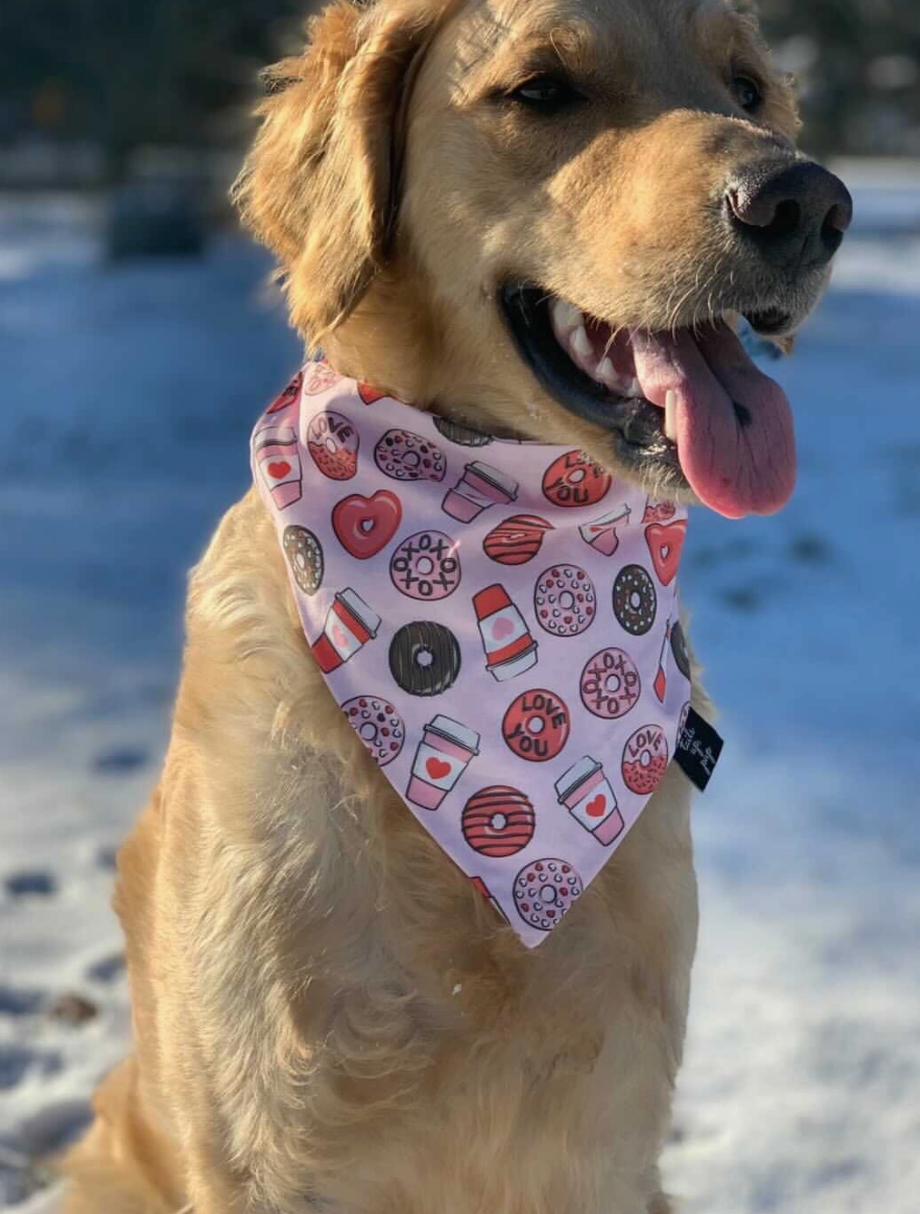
(498, 821)
(575, 480)
(405, 456)
(319, 377)
(679, 649)
(634, 600)
(426, 566)
(333, 442)
(544, 892)
(424, 658)
(305, 556)
(610, 684)
(645, 760)
(288, 396)
(564, 601)
(463, 436)
(378, 725)
(658, 512)
(536, 725)
(517, 540)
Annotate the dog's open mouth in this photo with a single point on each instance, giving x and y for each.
(689, 406)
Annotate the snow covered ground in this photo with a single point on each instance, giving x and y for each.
(126, 395)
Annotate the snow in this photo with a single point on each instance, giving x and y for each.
(125, 402)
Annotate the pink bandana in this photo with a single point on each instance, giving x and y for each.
(497, 620)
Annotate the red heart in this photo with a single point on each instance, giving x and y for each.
(279, 469)
(365, 525)
(596, 808)
(665, 545)
(369, 394)
(437, 768)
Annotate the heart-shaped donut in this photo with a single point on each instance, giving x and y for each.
(365, 525)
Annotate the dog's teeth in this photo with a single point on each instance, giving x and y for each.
(581, 343)
(634, 389)
(606, 373)
(566, 317)
(670, 415)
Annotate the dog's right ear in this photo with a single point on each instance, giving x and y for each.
(320, 184)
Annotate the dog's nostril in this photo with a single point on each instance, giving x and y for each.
(794, 211)
(786, 220)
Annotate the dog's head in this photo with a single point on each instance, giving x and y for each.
(545, 216)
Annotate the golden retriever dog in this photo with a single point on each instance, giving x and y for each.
(543, 218)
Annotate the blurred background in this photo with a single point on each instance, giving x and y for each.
(138, 342)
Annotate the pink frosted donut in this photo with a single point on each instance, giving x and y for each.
(405, 456)
(564, 601)
(544, 891)
(610, 684)
(378, 725)
(426, 566)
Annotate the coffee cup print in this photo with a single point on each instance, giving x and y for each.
(279, 464)
(602, 533)
(480, 487)
(585, 792)
(350, 624)
(509, 648)
(441, 758)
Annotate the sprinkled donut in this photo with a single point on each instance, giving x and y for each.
(544, 891)
(658, 512)
(333, 443)
(610, 684)
(498, 821)
(424, 658)
(634, 600)
(575, 480)
(645, 760)
(517, 540)
(426, 566)
(405, 456)
(378, 725)
(564, 601)
(319, 378)
(305, 556)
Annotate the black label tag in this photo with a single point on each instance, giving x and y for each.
(698, 750)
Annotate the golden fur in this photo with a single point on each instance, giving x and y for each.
(327, 1016)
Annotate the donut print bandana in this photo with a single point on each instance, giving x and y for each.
(497, 620)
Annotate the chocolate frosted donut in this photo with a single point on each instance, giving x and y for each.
(498, 821)
(463, 436)
(305, 556)
(679, 649)
(378, 725)
(634, 600)
(544, 891)
(405, 456)
(424, 658)
(564, 601)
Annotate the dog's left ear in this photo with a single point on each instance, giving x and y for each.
(321, 182)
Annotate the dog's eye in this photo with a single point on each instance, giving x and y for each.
(546, 93)
(748, 93)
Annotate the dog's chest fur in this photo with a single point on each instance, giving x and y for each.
(373, 1037)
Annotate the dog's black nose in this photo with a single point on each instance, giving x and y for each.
(795, 213)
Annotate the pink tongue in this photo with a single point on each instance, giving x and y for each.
(735, 466)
